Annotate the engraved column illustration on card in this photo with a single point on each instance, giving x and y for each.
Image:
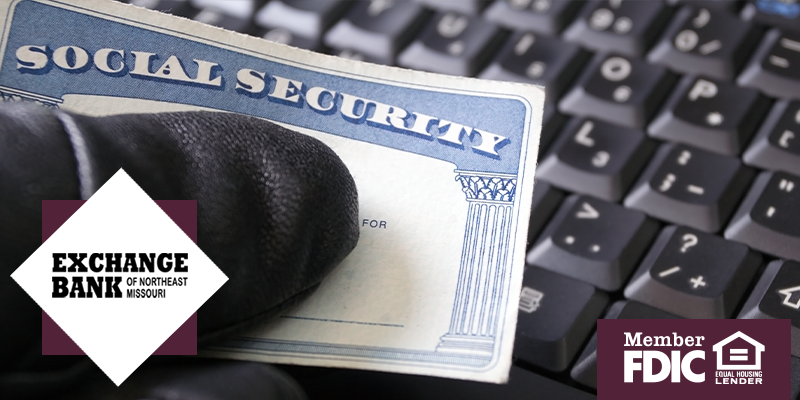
(484, 263)
(444, 168)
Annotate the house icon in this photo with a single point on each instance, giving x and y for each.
(788, 293)
(726, 354)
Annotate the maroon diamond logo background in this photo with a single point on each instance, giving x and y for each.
(55, 341)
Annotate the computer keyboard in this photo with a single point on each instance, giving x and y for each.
(669, 175)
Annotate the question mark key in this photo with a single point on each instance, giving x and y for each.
(693, 274)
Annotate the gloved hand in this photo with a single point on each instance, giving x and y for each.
(277, 210)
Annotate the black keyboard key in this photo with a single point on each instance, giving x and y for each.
(795, 377)
(215, 17)
(377, 29)
(694, 274)
(775, 67)
(452, 43)
(779, 13)
(722, 5)
(552, 121)
(556, 315)
(241, 9)
(620, 90)
(700, 112)
(690, 187)
(624, 27)
(353, 384)
(233, 15)
(585, 369)
(594, 241)
(777, 296)
(469, 7)
(768, 219)
(541, 60)
(304, 18)
(357, 56)
(705, 41)
(175, 7)
(777, 144)
(547, 17)
(546, 200)
(285, 36)
(596, 158)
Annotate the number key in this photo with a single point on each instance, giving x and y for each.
(784, 14)
(453, 44)
(379, 28)
(469, 7)
(546, 17)
(175, 7)
(231, 15)
(306, 19)
(285, 36)
(624, 27)
(542, 60)
(705, 41)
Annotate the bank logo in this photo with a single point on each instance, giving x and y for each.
(119, 277)
(669, 359)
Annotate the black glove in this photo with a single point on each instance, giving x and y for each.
(277, 210)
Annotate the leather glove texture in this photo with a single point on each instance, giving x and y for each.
(277, 210)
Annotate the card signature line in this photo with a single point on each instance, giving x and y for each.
(340, 321)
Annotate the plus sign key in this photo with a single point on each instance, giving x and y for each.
(700, 113)
(693, 274)
(594, 241)
(777, 296)
(768, 219)
(690, 187)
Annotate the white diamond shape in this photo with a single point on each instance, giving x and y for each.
(119, 334)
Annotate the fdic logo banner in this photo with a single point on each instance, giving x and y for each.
(667, 359)
(119, 277)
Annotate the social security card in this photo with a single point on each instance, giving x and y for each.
(444, 168)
